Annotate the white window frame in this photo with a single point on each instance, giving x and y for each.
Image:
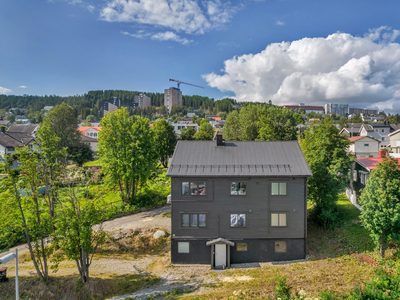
(280, 218)
(278, 188)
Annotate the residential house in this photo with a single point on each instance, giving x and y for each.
(90, 136)
(361, 171)
(394, 143)
(364, 146)
(238, 202)
(5, 123)
(23, 129)
(9, 141)
(377, 131)
(353, 129)
(179, 126)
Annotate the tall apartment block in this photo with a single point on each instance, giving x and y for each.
(109, 107)
(172, 97)
(338, 109)
(142, 100)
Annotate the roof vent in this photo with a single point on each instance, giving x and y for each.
(219, 141)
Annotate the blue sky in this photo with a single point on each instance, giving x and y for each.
(288, 51)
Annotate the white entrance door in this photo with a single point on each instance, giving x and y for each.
(220, 255)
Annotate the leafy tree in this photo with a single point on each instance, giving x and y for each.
(187, 134)
(231, 129)
(61, 119)
(380, 201)
(164, 140)
(298, 118)
(25, 190)
(277, 124)
(75, 235)
(91, 118)
(86, 124)
(325, 151)
(11, 118)
(204, 121)
(80, 153)
(248, 120)
(126, 152)
(205, 133)
(222, 115)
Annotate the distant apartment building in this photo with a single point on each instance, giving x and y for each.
(172, 97)
(109, 107)
(337, 109)
(363, 111)
(142, 100)
(307, 108)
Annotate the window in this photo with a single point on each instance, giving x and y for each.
(366, 145)
(10, 148)
(383, 130)
(241, 247)
(193, 188)
(278, 219)
(278, 188)
(238, 220)
(238, 188)
(383, 139)
(280, 246)
(193, 220)
(355, 175)
(183, 247)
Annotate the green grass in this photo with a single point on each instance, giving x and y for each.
(335, 264)
(93, 163)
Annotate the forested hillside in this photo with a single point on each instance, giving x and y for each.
(91, 102)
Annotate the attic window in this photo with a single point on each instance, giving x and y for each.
(366, 145)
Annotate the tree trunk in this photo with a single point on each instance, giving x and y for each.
(382, 246)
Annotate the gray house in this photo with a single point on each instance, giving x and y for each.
(237, 202)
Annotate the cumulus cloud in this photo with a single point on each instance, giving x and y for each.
(4, 90)
(189, 16)
(161, 36)
(280, 23)
(341, 68)
(22, 87)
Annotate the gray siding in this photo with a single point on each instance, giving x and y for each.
(258, 250)
(258, 204)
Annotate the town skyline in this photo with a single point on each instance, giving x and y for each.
(284, 51)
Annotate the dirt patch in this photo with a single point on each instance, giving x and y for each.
(239, 278)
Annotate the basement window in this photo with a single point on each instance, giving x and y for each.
(241, 247)
(280, 247)
(183, 247)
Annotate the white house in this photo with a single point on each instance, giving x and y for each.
(379, 132)
(179, 126)
(90, 136)
(364, 146)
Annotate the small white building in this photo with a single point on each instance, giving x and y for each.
(364, 146)
(379, 132)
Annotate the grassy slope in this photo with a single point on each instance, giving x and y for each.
(334, 264)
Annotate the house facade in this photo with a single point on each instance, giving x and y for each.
(238, 202)
(364, 146)
(379, 132)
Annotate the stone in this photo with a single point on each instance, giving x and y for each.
(158, 234)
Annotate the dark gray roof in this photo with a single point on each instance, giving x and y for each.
(14, 140)
(238, 159)
(4, 122)
(29, 129)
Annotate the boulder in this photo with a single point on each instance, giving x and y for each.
(158, 234)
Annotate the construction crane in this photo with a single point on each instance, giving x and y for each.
(179, 84)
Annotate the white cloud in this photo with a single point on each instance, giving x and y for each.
(160, 36)
(187, 16)
(280, 23)
(22, 87)
(90, 8)
(341, 68)
(170, 36)
(4, 90)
